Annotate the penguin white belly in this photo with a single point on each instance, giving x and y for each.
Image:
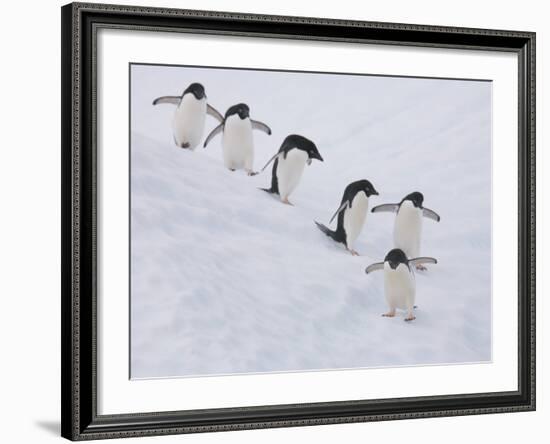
(188, 123)
(238, 145)
(399, 286)
(290, 170)
(408, 228)
(354, 217)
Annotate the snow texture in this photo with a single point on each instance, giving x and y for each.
(226, 279)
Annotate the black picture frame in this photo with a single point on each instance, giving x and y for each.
(80, 420)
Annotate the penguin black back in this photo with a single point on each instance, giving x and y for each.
(339, 235)
(274, 183)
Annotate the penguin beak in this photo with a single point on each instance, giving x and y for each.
(374, 192)
(309, 161)
(317, 156)
(393, 265)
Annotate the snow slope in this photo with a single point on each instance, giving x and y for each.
(226, 279)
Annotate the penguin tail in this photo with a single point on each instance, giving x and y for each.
(327, 231)
(269, 190)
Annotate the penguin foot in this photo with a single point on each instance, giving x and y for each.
(232, 169)
(353, 252)
(420, 267)
(251, 173)
(410, 318)
(389, 314)
(286, 201)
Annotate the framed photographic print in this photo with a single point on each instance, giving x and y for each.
(280, 221)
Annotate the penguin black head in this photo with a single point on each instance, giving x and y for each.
(301, 143)
(416, 198)
(197, 90)
(241, 109)
(396, 257)
(366, 186)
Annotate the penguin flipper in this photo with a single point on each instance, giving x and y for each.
(422, 260)
(342, 207)
(172, 100)
(270, 160)
(391, 208)
(430, 214)
(211, 111)
(213, 134)
(374, 267)
(261, 126)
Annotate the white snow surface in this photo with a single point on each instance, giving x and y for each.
(226, 279)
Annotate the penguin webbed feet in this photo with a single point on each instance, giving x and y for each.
(183, 145)
(391, 314)
(286, 201)
(421, 267)
(353, 252)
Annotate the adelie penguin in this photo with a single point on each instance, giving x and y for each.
(399, 281)
(237, 140)
(190, 115)
(288, 165)
(407, 230)
(351, 214)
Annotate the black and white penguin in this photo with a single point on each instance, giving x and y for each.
(289, 163)
(237, 141)
(408, 222)
(192, 108)
(399, 281)
(351, 214)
